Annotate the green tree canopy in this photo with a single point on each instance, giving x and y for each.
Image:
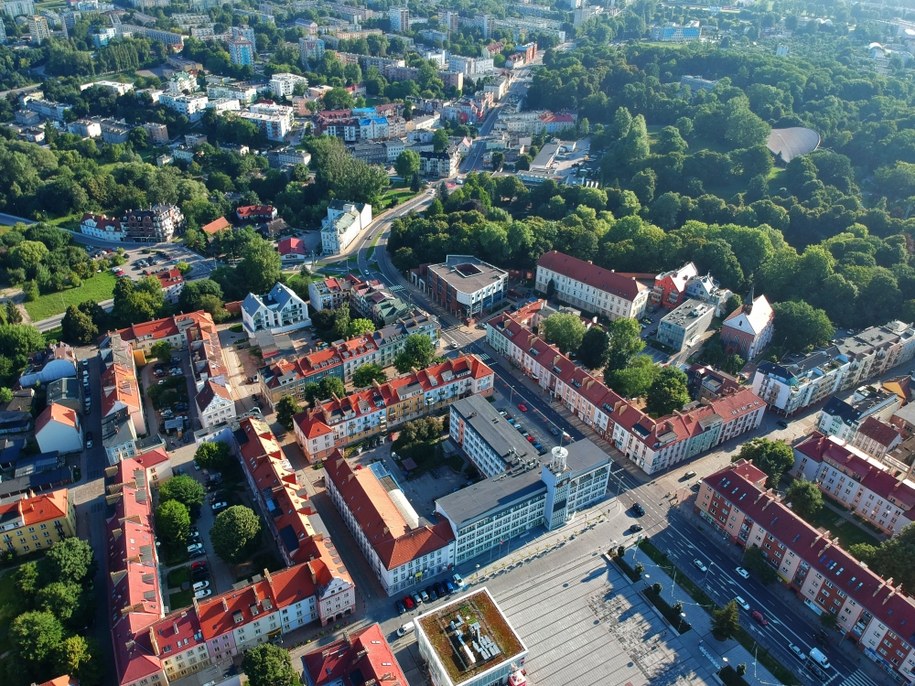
(418, 351)
(565, 330)
(634, 380)
(183, 488)
(286, 408)
(594, 348)
(330, 386)
(77, 328)
(360, 327)
(799, 326)
(62, 599)
(173, 523)
(772, 457)
(68, 560)
(269, 665)
(36, 637)
(805, 498)
(726, 621)
(407, 164)
(668, 392)
(213, 455)
(233, 530)
(162, 351)
(625, 342)
(368, 374)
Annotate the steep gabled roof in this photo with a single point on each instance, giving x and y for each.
(606, 280)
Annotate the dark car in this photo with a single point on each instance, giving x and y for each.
(638, 510)
(635, 528)
(401, 608)
(450, 586)
(555, 430)
(442, 589)
(759, 618)
(433, 595)
(89, 439)
(782, 423)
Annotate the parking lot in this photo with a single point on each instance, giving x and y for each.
(144, 261)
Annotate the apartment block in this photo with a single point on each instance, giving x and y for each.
(873, 613)
(279, 311)
(651, 444)
(36, 522)
(591, 288)
(487, 439)
(343, 223)
(682, 327)
(337, 422)
(843, 418)
(156, 224)
(289, 377)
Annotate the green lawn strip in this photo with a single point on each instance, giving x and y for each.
(179, 576)
(98, 288)
(180, 599)
(847, 532)
(784, 675)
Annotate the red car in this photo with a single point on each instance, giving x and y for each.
(760, 618)
(530, 439)
(522, 407)
(200, 564)
(408, 601)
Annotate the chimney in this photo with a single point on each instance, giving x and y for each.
(225, 605)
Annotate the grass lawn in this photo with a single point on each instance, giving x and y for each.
(848, 533)
(180, 599)
(100, 287)
(395, 196)
(178, 576)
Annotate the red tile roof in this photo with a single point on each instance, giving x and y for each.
(878, 431)
(291, 246)
(169, 277)
(734, 484)
(36, 509)
(168, 326)
(119, 387)
(60, 414)
(215, 226)
(61, 681)
(367, 654)
(151, 458)
(394, 540)
(586, 272)
(103, 222)
(255, 211)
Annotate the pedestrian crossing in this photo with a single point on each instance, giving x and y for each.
(857, 678)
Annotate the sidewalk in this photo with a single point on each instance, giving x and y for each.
(711, 655)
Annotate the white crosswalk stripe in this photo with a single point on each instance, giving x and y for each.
(858, 678)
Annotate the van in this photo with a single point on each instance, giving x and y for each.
(819, 657)
(406, 629)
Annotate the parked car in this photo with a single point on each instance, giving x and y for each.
(401, 608)
(203, 593)
(689, 475)
(424, 595)
(450, 585)
(433, 594)
(201, 585)
(743, 603)
(797, 652)
(759, 618)
(221, 505)
(441, 589)
(458, 580)
(700, 565)
(89, 441)
(741, 572)
(408, 602)
(417, 600)
(782, 423)
(199, 565)
(195, 547)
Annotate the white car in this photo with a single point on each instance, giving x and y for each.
(798, 653)
(742, 572)
(700, 566)
(221, 505)
(200, 585)
(203, 593)
(195, 548)
(743, 603)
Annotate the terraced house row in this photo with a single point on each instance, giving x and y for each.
(341, 359)
(338, 422)
(651, 444)
(154, 646)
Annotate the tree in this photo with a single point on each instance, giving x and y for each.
(161, 351)
(6, 395)
(13, 313)
(77, 328)
(36, 637)
(26, 579)
(805, 498)
(61, 598)
(625, 342)
(173, 523)
(330, 386)
(418, 351)
(440, 140)
(259, 269)
(772, 457)
(594, 348)
(76, 657)
(68, 560)
(269, 665)
(195, 295)
(360, 327)
(755, 561)
(286, 409)
(726, 621)
(233, 530)
(634, 380)
(183, 488)
(407, 164)
(367, 374)
(565, 330)
(668, 392)
(213, 455)
(799, 326)
(342, 321)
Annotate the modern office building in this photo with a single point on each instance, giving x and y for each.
(36, 522)
(335, 423)
(871, 612)
(464, 285)
(593, 289)
(487, 439)
(683, 327)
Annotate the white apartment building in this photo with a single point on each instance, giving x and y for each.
(470, 66)
(593, 289)
(842, 419)
(402, 550)
(344, 221)
(18, 8)
(243, 92)
(280, 311)
(488, 440)
(192, 105)
(102, 227)
(400, 19)
(793, 385)
(282, 85)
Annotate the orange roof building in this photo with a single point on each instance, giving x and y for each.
(400, 548)
(37, 522)
(60, 681)
(58, 428)
(215, 226)
(365, 653)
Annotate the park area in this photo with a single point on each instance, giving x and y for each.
(98, 288)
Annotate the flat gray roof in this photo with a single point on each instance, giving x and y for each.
(466, 273)
(501, 436)
(683, 315)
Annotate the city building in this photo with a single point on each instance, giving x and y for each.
(58, 428)
(860, 483)
(399, 18)
(470, 642)
(292, 251)
(361, 657)
(372, 300)
(122, 406)
(799, 381)
(215, 226)
(36, 522)
(283, 85)
(286, 377)
(344, 221)
(172, 283)
(464, 285)
(279, 311)
(843, 418)
(256, 213)
(591, 288)
(878, 438)
(288, 157)
(241, 52)
(683, 327)
(311, 50)
(57, 361)
(486, 438)
(191, 105)
(675, 33)
(439, 165)
(157, 224)
(274, 120)
(227, 89)
(18, 8)
(331, 292)
(47, 109)
(749, 328)
(651, 444)
(38, 29)
(215, 405)
(869, 611)
(335, 423)
(401, 550)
